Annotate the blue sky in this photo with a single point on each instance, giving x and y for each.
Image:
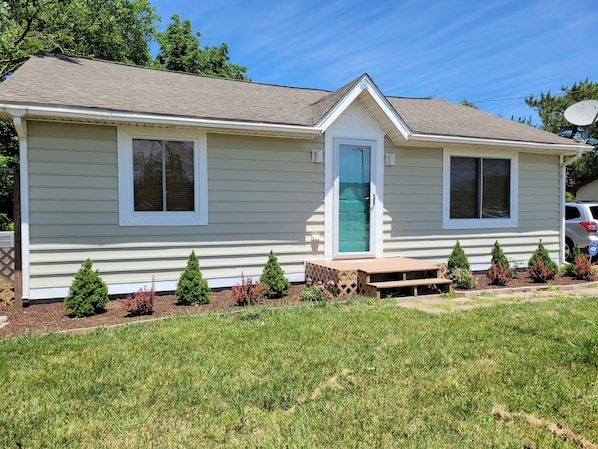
(491, 52)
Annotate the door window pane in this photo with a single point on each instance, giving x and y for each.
(354, 198)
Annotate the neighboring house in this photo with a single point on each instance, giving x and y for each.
(587, 190)
(135, 167)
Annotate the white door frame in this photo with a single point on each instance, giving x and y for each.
(376, 142)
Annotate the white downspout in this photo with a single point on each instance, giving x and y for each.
(564, 164)
(21, 128)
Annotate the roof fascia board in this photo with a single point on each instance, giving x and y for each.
(364, 84)
(529, 146)
(150, 119)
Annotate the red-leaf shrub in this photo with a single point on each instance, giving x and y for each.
(498, 274)
(141, 303)
(247, 293)
(583, 268)
(540, 272)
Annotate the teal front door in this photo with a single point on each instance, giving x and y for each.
(354, 198)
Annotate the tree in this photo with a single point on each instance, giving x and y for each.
(466, 102)
(115, 30)
(9, 158)
(551, 108)
(180, 50)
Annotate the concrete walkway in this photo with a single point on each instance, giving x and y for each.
(466, 300)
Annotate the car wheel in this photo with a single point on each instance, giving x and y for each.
(568, 249)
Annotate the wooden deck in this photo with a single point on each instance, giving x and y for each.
(395, 276)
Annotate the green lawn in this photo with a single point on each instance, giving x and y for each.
(356, 374)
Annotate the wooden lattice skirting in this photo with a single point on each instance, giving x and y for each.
(7, 275)
(345, 281)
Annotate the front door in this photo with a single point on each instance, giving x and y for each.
(354, 198)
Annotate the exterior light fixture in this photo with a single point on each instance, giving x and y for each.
(317, 156)
(390, 159)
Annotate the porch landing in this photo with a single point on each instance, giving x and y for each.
(395, 276)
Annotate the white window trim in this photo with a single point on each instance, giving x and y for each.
(471, 223)
(127, 214)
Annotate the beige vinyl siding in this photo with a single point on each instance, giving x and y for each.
(264, 194)
(589, 192)
(413, 210)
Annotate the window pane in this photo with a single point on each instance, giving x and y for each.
(179, 176)
(147, 175)
(464, 187)
(496, 189)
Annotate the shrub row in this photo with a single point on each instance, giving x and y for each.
(540, 267)
(88, 293)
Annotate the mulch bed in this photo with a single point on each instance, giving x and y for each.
(48, 317)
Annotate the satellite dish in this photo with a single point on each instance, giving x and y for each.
(583, 113)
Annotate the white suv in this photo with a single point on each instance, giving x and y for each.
(581, 223)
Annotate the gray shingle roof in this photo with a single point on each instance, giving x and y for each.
(60, 81)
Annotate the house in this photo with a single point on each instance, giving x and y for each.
(135, 167)
(587, 190)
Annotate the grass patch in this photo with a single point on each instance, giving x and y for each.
(361, 373)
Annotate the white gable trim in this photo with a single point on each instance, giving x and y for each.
(365, 84)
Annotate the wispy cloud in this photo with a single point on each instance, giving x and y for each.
(452, 49)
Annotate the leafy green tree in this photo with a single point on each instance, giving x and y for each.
(115, 30)
(181, 51)
(9, 159)
(88, 293)
(550, 108)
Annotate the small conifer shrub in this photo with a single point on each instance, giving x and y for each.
(459, 270)
(570, 269)
(498, 256)
(499, 272)
(192, 288)
(541, 267)
(273, 277)
(458, 259)
(88, 294)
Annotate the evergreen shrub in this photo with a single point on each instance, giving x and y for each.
(541, 267)
(273, 277)
(88, 293)
(500, 271)
(459, 269)
(458, 259)
(192, 288)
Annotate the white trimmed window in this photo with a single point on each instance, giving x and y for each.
(479, 191)
(162, 177)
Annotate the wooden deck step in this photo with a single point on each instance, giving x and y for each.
(442, 284)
